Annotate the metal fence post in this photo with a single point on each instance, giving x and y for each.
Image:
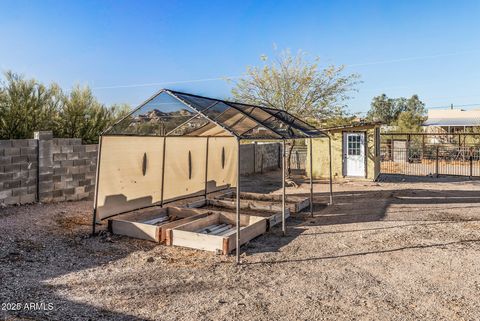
(471, 166)
(436, 163)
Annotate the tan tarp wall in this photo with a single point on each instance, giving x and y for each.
(123, 187)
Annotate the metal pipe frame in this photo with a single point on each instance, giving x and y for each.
(163, 169)
(311, 179)
(284, 230)
(206, 170)
(95, 203)
(330, 169)
(237, 209)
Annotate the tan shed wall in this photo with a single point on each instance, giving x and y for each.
(321, 157)
(123, 187)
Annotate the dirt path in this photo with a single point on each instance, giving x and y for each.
(393, 250)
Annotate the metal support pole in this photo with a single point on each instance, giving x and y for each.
(237, 250)
(163, 170)
(283, 189)
(471, 162)
(436, 163)
(206, 172)
(330, 169)
(94, 222)
(311, 179)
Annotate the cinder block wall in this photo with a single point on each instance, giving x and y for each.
(267, 157)
(18, 171)
(66, 169)
(257, 158)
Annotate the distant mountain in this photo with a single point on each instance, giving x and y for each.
(157, 115)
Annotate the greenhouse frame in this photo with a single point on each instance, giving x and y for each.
(176, 146)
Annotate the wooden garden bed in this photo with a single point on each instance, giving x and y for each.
(216, 232)
(259, 201)
(152, 223)
(256, 204)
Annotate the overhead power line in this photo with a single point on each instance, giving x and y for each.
(454, 106)
(163, 83)
(167, 82)
(414, 58)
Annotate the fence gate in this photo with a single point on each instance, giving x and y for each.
(422, 154)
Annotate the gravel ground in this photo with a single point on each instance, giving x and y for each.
(394, 250)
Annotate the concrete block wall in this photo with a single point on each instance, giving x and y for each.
(257, 158)
(268, 157)
(18, 171)
(299, 157)
(66, 169)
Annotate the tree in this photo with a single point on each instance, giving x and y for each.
(412, 116)
(384, 109)
(82, 116)
(26, 106)
(406, 114)
(296, 85)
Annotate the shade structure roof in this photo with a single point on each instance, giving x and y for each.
(452, 122)
(174, 113)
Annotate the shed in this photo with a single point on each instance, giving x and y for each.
(355, 153)
(177, 145)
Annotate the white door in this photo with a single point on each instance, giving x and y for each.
(354, 154)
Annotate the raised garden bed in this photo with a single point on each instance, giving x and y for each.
(259, 201)
(152, 223)
(256, 204)
(216, 232)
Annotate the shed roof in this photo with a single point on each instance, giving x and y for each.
(452, 122)
(453, 117)
(174, 113)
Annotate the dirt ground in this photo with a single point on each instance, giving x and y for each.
(393, 250)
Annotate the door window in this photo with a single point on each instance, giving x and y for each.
(354, 145)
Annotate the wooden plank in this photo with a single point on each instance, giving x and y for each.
(294, 203)
(136, 230)
(251, 205)
(220, 238)
(165, 227)
(142, 215)
(248, 233)
(197, 241)
(134, 225)
(196, 204)
(199, 223)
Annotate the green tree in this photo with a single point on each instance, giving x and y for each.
(26, 106)
(82, 116)
(407, 114)
(412, 116)
(384, 109)
(294, 84)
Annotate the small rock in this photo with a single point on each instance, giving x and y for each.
(150, 259)
(222, 301)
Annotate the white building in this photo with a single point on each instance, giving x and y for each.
(451, 120)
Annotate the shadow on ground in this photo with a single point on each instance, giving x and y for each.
(37, 247)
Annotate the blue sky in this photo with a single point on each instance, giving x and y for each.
(429, 48)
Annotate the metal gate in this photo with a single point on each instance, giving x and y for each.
(424, 154)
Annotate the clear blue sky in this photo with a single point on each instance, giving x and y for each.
(429, 48)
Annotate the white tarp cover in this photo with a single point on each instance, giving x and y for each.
(122, 185)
